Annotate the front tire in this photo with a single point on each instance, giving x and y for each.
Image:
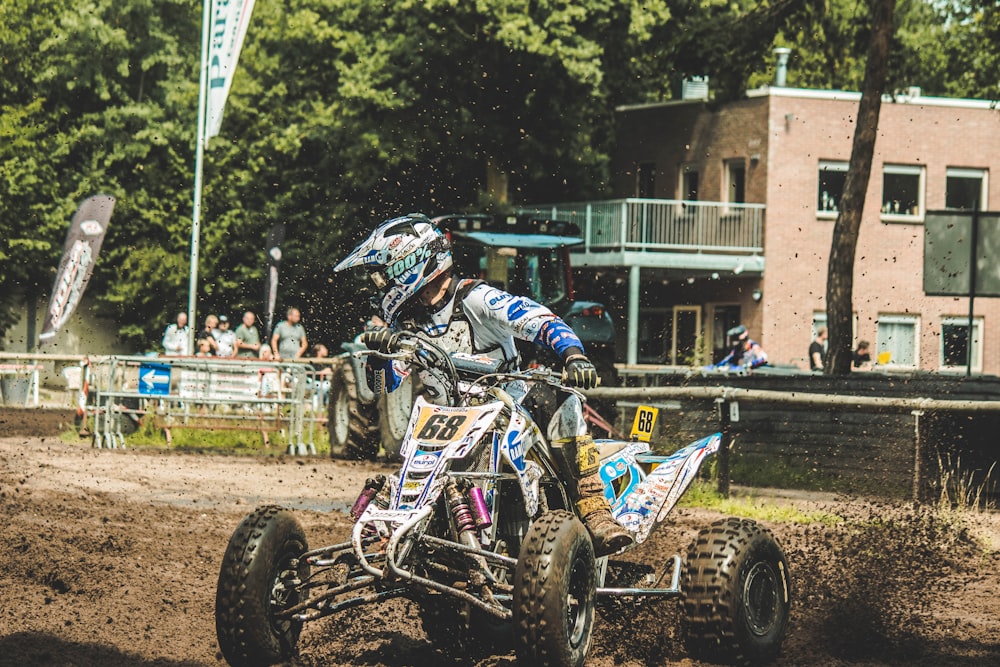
(554, 592)
(260, 571)
(353, 425)
(737, 594)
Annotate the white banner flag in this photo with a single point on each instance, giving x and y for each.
(230, 20)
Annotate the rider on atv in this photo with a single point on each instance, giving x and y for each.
(410, 262)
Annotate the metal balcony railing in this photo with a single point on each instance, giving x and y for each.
(662, 225)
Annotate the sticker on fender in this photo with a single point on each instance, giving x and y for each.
(642, 425)
(438, 425)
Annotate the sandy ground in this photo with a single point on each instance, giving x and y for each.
(110, 557)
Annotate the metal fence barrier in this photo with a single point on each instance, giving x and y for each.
(207, 393)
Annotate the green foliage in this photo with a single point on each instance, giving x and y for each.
(345, 112)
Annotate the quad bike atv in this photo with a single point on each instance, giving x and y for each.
(476, 528)
(518, 253)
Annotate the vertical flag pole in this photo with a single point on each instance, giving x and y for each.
(199, 159)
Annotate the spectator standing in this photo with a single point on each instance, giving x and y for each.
(289, 338)
(224, 338)
(211, 322)
(175, 337)
(247, 337)
(817, 350)
(862, 354)
(323, 373)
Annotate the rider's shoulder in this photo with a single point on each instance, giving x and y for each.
(480, 293)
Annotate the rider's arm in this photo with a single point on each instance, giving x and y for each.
(501, 314)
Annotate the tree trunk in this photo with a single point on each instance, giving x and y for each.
(840, 274)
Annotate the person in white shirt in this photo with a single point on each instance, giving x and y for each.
(225, 339)
(175, 337)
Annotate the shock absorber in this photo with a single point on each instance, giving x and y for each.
(480, 512)
(461, 514)
(368, 493)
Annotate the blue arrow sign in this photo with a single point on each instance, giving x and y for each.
(154, 379)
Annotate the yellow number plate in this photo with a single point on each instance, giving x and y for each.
(440, 425)
(642, 425)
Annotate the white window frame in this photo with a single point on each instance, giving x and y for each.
(977, 339)
(968, 172)
(899, 319)
(828, 165)
(908, 170)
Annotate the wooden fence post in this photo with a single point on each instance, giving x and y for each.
(727, 438)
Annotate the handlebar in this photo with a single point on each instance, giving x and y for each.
(410, 347)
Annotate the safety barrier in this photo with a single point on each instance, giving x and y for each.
(204, 392)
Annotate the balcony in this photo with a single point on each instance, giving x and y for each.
(665, 233)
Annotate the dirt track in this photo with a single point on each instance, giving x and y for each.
(111, 558)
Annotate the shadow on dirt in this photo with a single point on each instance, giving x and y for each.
(41, 649)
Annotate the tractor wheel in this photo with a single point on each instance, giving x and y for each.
(555, 588)
(737, 594)
(394, 416)
(354, 427)
(259, 578)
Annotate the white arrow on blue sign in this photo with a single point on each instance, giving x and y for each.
(154, 379)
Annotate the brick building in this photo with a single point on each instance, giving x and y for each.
(727, 214)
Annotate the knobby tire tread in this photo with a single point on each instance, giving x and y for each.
(709, 597)
(530, 614)
(363, 432)
(238, 645)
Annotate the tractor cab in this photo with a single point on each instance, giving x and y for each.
(530, 256)
(519, 254)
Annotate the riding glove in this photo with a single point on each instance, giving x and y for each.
(381, 340)
(580, 372)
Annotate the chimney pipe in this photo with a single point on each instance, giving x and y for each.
(781, 66)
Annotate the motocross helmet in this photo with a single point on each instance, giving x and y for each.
(402, 256)
(737, 334)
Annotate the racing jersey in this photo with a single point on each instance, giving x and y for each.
(474, 317)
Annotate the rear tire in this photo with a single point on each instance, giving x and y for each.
(737, 594)
(257, 581)
(353, 425)
(555, 587)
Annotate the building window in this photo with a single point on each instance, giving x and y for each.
(955, 343)
(965, 189)
(902, 192)
(646, 180)
(819, 321)
(832, 177)
(897, 340)
(689, 184)
(736, 177)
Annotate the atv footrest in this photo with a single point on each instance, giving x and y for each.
(674, 590)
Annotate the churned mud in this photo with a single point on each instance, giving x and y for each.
(111, 558)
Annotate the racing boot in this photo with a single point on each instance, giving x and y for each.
(581, 461)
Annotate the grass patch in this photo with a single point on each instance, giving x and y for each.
(223, 441)
(702, 493)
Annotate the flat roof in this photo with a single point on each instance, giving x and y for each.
(854, 96)
(835, 96)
